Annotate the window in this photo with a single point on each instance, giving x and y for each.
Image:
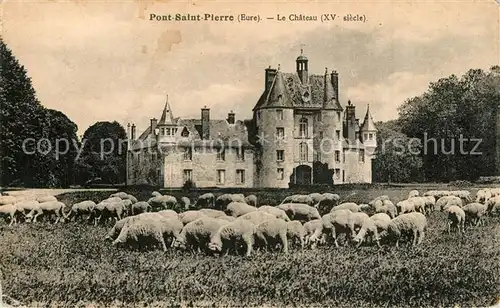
(163, 131)
(185, 132)
(365, 136)
(337, 156)
(338, 116)
(321, 135)
(221, 176)
(280, 132)
(188, 175)
(281, 174)
(337, 134)
(279, 114)
(303, 128)
(280, 155)
(370, 136)
(168, 131)
(174, 131)
(240, 154)
(303, 151)
(343, 157)
(188, 154)
(361, 156)
(240, 176)
(318, 156)
(221, 154)
(337, 173)
(318, 117)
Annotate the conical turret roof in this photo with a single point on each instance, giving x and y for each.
(167, 117)
(368, 124)
(277, 96)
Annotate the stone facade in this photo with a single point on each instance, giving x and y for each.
(300, 132)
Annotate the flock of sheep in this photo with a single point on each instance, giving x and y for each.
(235, 222)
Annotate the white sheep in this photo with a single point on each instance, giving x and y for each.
(491, 203)
(462, 194)
(381, 198)
(419, 203)
(327, 202)
(373, 227)
(413, 193)
(316, 197)
(483, 195)
(122, 195)
(456, 218)
(117, 228)
(272, 232)
(230, 235)
(185, 203)
(213, 213)
(310, 228)
(224, 200)
(430, 204)
(110, 209)
(42, 199)
(405, 206)
(296, 233)
(196, 235)
(141, 207)
(279, 213)
(227, 218)
(163, 202)
(170, 214)
(127, 207)
(351, 206)
(27, 206)
(495, 191)
(336, 222)
(387, 207)
(131, 198)
(414, 223)
(300, 211)
(251, 200)
(205, 200)
(237, 209)
(256, 217)
(9, 210)
(155, 194)
(474, 213)
(302, 199)
(50, 207)
(8, 200)
(190, 216)
(79, 209)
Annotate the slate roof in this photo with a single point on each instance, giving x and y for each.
(368, 124)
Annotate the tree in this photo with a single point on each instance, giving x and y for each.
(104, 153)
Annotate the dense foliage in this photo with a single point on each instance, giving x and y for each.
(23, 117)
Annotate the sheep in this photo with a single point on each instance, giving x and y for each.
(155, 194)
(27, 206)
(46, 199)
(351, 206)
(495, 192)
(483, 195)
(113, 209)
(127, 207)
(311, 227)
(456, 218)
(462, 194)
(79, 209)
(271, 232)
(185, 203)
(405, 206)
(206, 200)
(197, 234)
(414, 223)
(55, 207)
(452, 200)
(373, 227)
(316, 198)
(213, 213)
(136, 229)
(190, 216)
(387, 207)
(228, 236)
(251, 200)
(300, 211)
(117, 228)
(413, 193)
(430, 203)
(303, 199)
(224, 200)
(474, 213)
(296, 233)
(9, 210)
(256, 217)
(419, 203)
(131, 198)
(237, 209)
(381, 198)
(279, 213)
(327, 202)
(122, 195)
(8, 200)
(141, 207)
(163, 202)
(336, 222)
(491, 203)
(170, 214)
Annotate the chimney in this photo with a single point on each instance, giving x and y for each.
(132, 132)
(205, 123)
(270, 73)
(335, 83)
(154, 122)
(128, 131)
(350, 111)
(230, 117)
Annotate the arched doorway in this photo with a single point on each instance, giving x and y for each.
(301, 175)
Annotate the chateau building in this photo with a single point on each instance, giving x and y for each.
(299, 134)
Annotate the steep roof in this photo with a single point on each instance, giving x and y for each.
(368, 124)
(167, 116)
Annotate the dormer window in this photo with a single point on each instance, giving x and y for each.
(185, 132)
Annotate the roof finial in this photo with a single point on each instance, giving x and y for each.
(279, 66)
(302, 49)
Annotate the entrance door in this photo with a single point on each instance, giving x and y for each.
(303, 175)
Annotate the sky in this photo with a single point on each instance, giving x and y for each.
(105, 60)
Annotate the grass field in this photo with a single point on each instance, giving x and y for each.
(69, 265)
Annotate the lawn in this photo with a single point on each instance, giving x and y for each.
(69, 265)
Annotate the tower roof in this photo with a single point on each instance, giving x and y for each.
(368, 124)
(166, 117)
(277, 94)
(301, 57)
(329, 99)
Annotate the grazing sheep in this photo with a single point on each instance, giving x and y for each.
(351, 206)
(359, 219)
(110, 209)
(185, 203)
(311, 227)
(170, 214)
(336, 222)
(483, 195)
(327, 202)
(419, 203)
(27, 206)
(190, 216)
(251, 200)
(155, 194)
(463, 194)
(117, 228)
(141, 207)
(205, 200)
(279, 213)
(300, 211)
(9, 210)
(373, 227)
(138, 229)
(131, 198)
(381, 198)
(296, 233)
(127, 207)
(224, 200)
(271, 232)
(232, 234)
(213, 213)
(163, 202)
(227, 218)
(257, 217)
(491, 203)
(237, 209)
(449, 201)
(8, 200)
(46, 199)
(413, 193)
(79, 209)
(430, 204)
(50, 207)
(387, 207)
(456, 218)
(414, 223)
(196, 235)
(405, 206)
(122, 195)
(474, 213)
(316, 198)
(303, 199)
